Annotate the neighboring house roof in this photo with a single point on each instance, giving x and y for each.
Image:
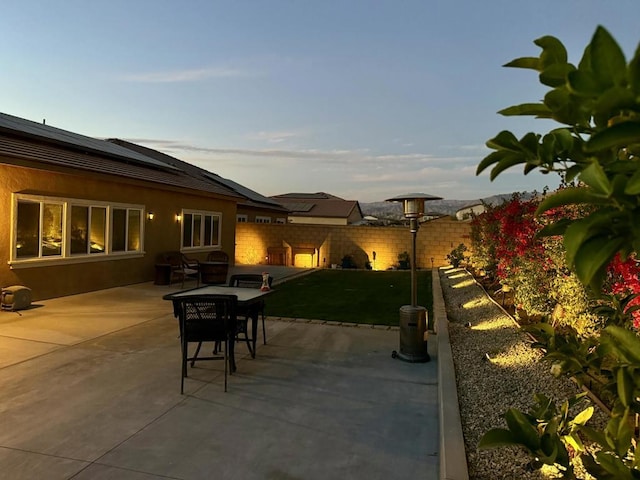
(250, 197)
(471, 205)
(318, 205)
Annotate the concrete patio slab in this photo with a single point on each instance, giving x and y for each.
(95, 395)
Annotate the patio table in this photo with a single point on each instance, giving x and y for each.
(247, 297)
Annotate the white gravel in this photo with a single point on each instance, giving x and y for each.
(487, 387)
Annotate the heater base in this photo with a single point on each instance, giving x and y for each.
(413, 335)
(411, 358)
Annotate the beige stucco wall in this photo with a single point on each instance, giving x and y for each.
(317, 220)
(161, 234)
(434, 240)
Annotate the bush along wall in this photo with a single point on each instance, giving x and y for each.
(570, 255)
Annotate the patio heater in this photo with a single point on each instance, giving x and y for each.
(413, 318)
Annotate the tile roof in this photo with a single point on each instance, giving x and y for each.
(20, 127)
(29, 141)
(250, 197)
(318, 204)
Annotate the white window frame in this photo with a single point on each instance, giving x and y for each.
(216, 242)
(65, 256)
(262, 219)
(241, 218)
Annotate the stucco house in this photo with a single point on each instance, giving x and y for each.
(320, 209)
(468, 211)
(85, 214)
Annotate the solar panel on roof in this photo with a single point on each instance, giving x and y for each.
(59, 136)
(242, 190)
(298, 206)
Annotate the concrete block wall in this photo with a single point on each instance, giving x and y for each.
(330, 243)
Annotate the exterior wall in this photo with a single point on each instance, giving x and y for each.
(354, 216)
(317, 220)
(253, 213)
(161, 234)
(434, 240)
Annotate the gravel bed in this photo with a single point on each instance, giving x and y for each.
(487, 387)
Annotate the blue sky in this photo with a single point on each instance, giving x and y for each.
(362, 99)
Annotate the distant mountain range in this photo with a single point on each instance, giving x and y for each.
(393, 210)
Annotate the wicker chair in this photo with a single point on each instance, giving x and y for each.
(206, 318)
(182, 267)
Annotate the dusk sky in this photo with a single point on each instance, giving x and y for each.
(365, 100)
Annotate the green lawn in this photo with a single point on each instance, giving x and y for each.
(357, 296)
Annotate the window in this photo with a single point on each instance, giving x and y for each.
(53, 228)
(88, 229)
(126, 230)
(200, 229)
(39, 229)
(281, 220)
(242, 218)
(263, 219)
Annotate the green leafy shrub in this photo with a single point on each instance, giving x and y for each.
(348, 262)
(404, 261)
(596, 150)
(456, 257)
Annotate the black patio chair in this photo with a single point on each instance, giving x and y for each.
(181, 267)
(206, 318)
(250, 280)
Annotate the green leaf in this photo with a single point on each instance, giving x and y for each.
(618, 135)
(574, 441)
(495, 438)
(549, 446)
(523, 432)
(555, 228)
(613, 466)
(570, 196)
(493, 157)
(572, 172)
(624, 343)
(607, 59)
(623, 434)
(634, 72)
(575, 235)
(633, 185)
(529, 167)
(625, 386)
(592, 258)
(505, 163)
(612, 101)
(556, 75)
(529, 143)
(595, 435)
(583, 83)
(505, 140)
(531, 63)
(564, 139)
(553, 51)
(537, 109)
(596, 178)
(584, 416)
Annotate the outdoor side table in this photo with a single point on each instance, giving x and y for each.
(163, 274)
(213, 272)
